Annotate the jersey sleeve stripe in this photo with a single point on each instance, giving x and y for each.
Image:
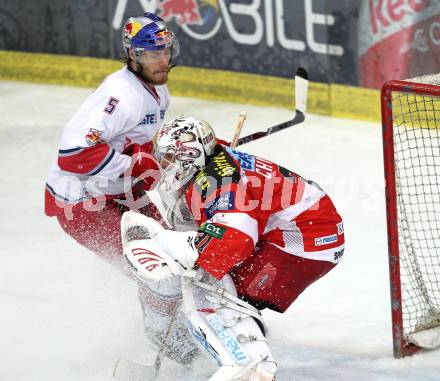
(239, 221)
(104, 164)
(55, 195)
(63, 198)
(86, 161)
(71, 151)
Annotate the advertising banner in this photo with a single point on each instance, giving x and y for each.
(398, 40)
(350, 42)
(269, 37)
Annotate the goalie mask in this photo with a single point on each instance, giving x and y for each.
(182, 147)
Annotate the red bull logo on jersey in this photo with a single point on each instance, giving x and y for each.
(185, 12)
(93, 136)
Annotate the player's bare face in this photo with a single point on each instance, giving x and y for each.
(155, 66)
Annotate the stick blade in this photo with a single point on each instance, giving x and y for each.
(301, 89)
(126, 370)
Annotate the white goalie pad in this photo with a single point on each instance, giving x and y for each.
(224, 327)
(164, 322)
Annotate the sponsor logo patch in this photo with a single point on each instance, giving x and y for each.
(148, 119)
(326, 240)
(212, 229)
(220, 172)
(223, 202)
(223, 167)
(200, 336)
(202, 181)
(227, 338)
(246, 161)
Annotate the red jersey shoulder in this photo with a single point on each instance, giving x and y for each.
(250, 164)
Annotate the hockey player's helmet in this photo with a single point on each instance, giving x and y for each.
(182, 147)
(149, 32)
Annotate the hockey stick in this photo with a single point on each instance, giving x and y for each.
(241, 120)
(126, 370)
(156, 200)
(301, 87)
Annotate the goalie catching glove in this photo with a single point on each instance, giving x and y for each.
(154, 252)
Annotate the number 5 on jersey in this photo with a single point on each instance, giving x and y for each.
(111, 105)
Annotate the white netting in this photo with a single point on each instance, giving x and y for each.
(431, 79)
(416, 129)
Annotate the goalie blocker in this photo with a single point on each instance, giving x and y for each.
(268, 230)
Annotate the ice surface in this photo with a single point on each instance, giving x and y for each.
(67, 316)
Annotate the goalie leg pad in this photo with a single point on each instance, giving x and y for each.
(227, 330)
(158, 301)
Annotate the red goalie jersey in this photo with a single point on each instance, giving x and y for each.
(241, 201)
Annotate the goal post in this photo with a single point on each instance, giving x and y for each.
(411, 149)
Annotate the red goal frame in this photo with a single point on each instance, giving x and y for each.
(401, 347)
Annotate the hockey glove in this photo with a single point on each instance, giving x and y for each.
(132, 148)
(150, 261)
(136, 226)
(162, 253)
(143, 165)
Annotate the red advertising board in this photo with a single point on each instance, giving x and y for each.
(398, 39)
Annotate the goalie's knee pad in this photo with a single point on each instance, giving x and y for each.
(159, 302)
(225, 328)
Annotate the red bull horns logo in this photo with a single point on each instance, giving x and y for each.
(185, 12)
(163, 38)
(130, 31)
(398, 40)
(93, 137)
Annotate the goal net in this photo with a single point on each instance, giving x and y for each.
(411, 137)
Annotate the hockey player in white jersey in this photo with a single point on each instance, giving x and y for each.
(104, 156)
(105, 146)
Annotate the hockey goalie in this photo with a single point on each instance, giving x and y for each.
(244, 234)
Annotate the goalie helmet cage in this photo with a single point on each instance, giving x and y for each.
(411, 145)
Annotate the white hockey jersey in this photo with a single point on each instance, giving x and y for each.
(123, 110)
